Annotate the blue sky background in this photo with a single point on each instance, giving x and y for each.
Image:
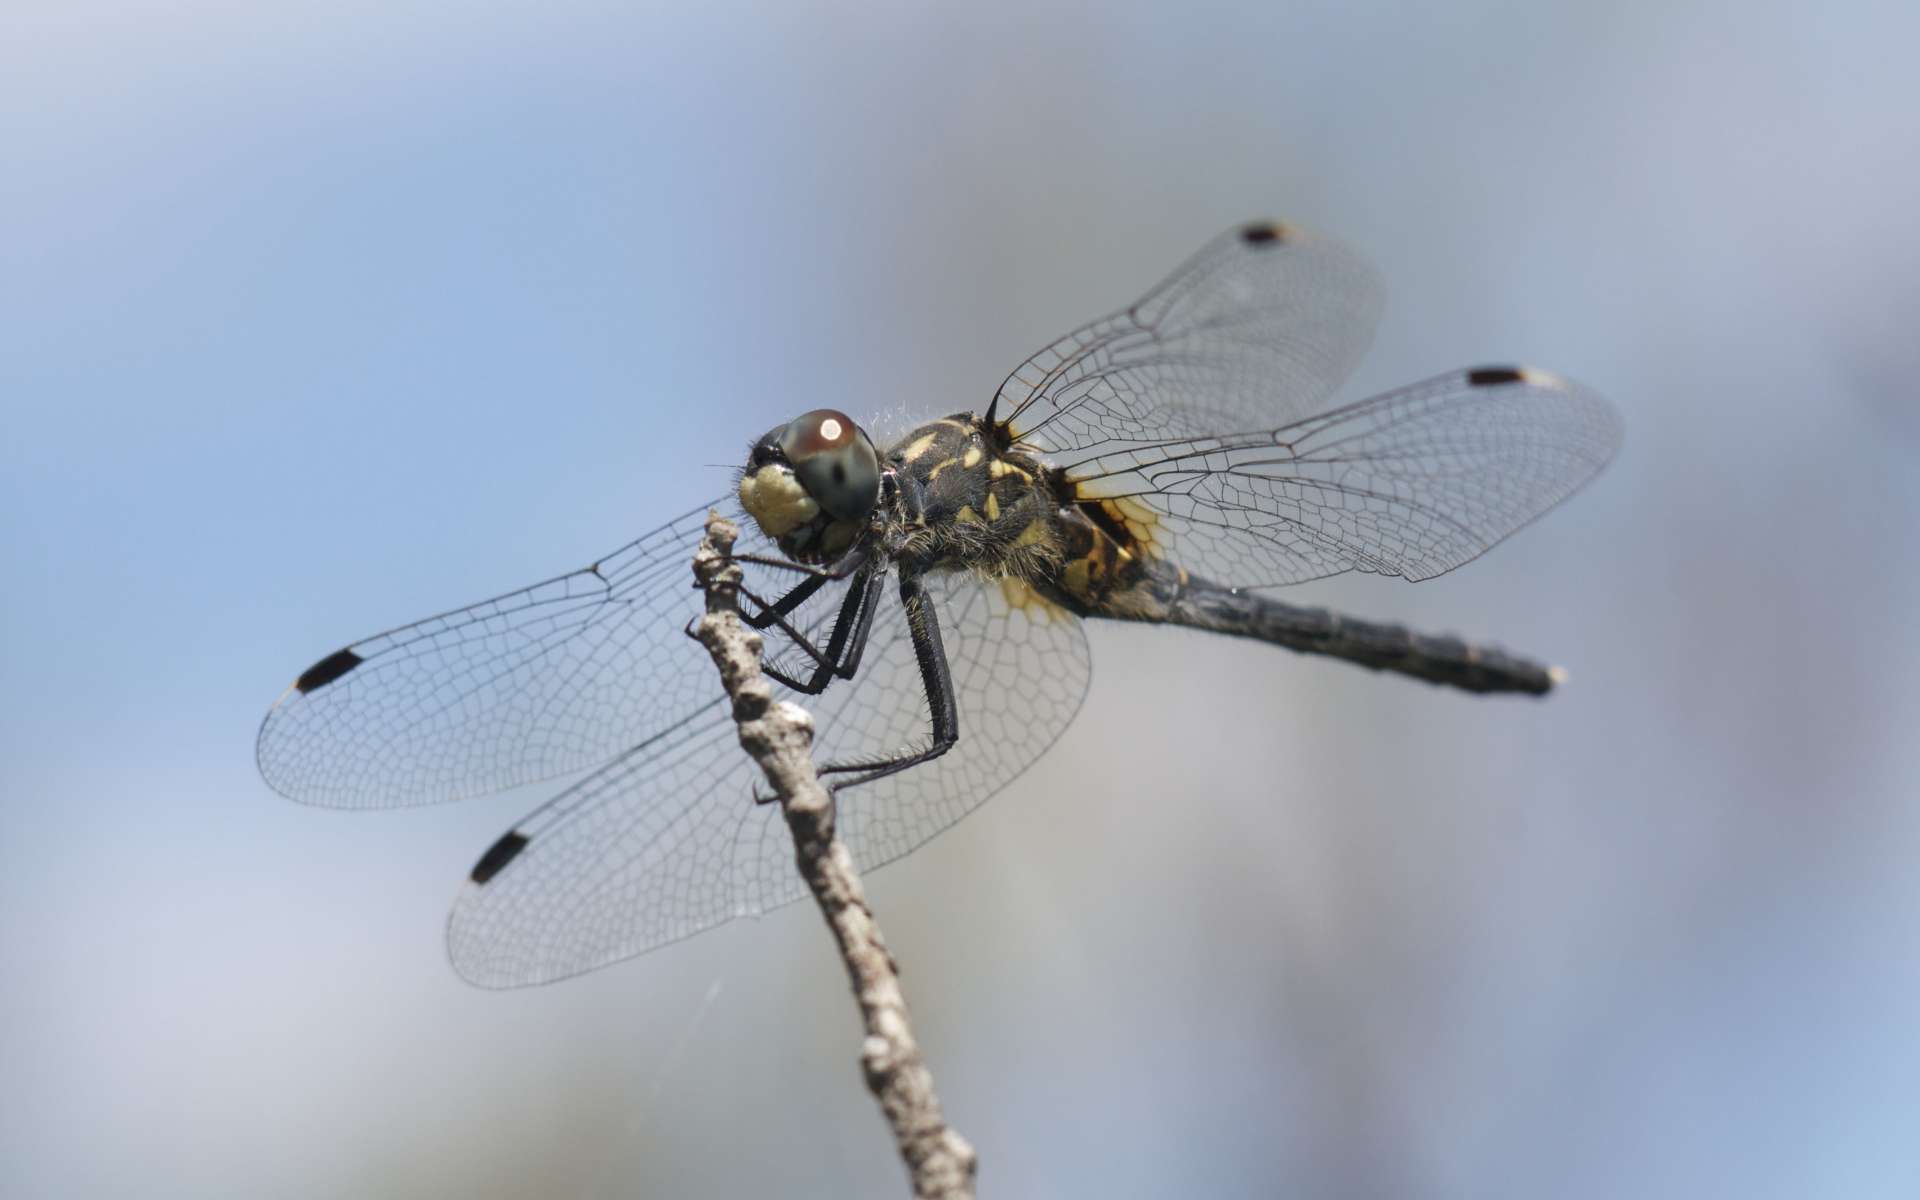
(318, 318)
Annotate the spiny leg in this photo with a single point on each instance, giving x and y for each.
(923, 625)
(845, 645)
(775, 613)
(771, 613)
(840, 568)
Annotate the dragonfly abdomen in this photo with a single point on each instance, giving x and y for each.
(1112, 566)
(1375, 645)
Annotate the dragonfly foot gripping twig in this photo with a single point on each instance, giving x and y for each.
(779, 736)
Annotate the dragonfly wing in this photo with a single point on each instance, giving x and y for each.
(1261, 326)
(526, 686)
(1413, 482)
(635, 855)
(668, 841)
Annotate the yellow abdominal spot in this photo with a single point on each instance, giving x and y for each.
(1019, 596)
(1136, 518)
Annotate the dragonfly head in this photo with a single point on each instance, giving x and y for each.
(812, 483)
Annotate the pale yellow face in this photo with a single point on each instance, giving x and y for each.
(776, 501)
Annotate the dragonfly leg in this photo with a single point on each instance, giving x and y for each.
(840, 568)
(923, 625)
(845, 645)
(773, 613)
(770, 614)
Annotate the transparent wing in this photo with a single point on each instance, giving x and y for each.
(1413, 482)
(668, 841)
(1261, 326)
(526, 686)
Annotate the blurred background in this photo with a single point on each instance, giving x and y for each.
(315, 318)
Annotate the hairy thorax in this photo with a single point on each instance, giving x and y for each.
(970, 506)
(1006, 513)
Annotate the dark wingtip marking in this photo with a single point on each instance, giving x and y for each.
(328, 669)
(498, 856)
(1263, 233)
(1492, 376)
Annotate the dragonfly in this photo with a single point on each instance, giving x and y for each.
(1173, 463)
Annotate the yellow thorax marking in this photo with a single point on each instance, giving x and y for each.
(973, 456)
(939, 467)
(1002, 467)
(920, 446)
(993, 507)
(1034, 534)
(1077, 576)
(966, 515)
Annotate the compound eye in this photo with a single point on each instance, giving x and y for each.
(834, 461)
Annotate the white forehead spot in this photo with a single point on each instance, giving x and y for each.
(830, 430)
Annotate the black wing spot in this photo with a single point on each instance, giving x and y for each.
(1494, 376)
(1264, 233)
(498, 856)
(328, 669)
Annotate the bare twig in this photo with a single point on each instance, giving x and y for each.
(780, 738)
